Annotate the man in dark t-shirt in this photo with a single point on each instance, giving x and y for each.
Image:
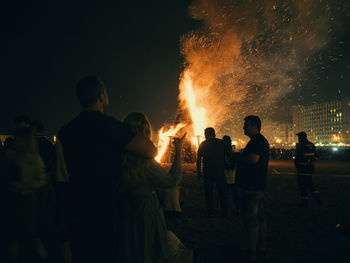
(92, 145)
(305, 158)
(251, 179)
(213, 151)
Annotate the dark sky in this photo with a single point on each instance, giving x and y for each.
(47, 47)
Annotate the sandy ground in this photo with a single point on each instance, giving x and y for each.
(294, 234)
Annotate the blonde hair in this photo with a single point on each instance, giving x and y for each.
(139, 123)
(133, 165)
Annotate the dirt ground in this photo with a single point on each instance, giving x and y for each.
(295, 234)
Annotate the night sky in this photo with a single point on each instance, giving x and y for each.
(47, 46)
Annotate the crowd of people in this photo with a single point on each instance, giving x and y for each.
(84, 200)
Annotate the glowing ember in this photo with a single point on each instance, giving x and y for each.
(164, 139)
(244, 60)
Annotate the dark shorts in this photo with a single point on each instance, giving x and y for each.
(252, 208)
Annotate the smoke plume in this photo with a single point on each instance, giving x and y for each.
(249, 54)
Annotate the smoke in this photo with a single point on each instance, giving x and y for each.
(250, 54)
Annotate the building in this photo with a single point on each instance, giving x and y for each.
(278, 134)
(325, 123)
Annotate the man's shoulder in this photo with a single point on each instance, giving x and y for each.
(90, 118)
(257, 142)
(310, 146)
(260, 139)
(217, 140)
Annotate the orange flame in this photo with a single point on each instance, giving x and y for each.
(188, 97)
(164, 139)
(189, 101)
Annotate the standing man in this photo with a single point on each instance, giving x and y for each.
(92, 145)
(251, 178)
(213, 151)
(305, 157)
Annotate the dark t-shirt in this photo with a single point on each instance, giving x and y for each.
(305, 156)
(92, 145)
(254, 177)
(213, 151)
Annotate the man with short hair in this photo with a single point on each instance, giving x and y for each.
(92, 145)
(213, 151)
(251, 178)
(305, 157)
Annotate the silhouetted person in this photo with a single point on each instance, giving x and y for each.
(24, 174)
(20, 121)
(230, 171)
(45, 194)
(213, 151)
(251, 178)
(305, 157)
(92, 146)
(8, 143)
(144, 234)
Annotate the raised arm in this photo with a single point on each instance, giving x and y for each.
(159, 177)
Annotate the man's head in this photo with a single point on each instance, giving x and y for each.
(22, 121)
(209, 133)
(302, 137)
(91, 92)
(252, 125)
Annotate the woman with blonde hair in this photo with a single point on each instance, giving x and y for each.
(143, 233)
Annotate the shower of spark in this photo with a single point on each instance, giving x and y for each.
(248, 58)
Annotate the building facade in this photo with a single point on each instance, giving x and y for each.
(278, 134)
(324, 123)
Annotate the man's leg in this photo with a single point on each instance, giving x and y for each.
(313, 190)
(250, 219)
(261, 245)
(253, 233)
(222, 189)
(208, 191)
(303, 187)
(262, 237)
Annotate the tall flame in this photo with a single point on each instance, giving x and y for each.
(189, 101)
(188, 96)
(164, 139)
